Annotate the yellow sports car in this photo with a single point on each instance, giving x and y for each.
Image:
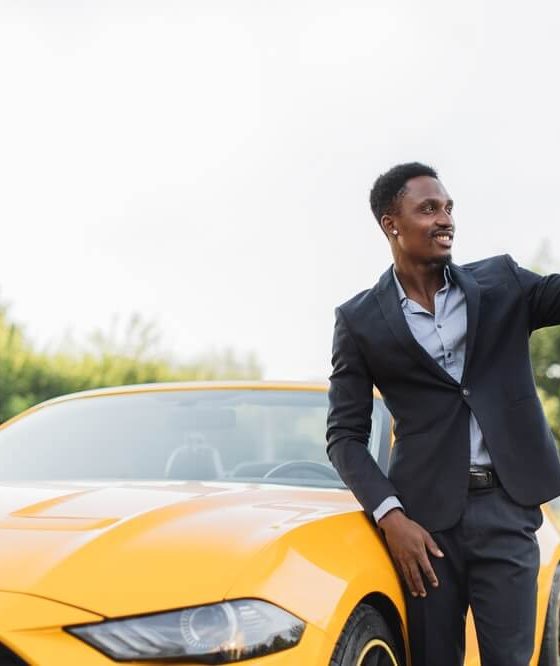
(201, 524)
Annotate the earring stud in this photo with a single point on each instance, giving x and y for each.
(395, 232)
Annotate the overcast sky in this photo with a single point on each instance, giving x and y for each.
(208, 163)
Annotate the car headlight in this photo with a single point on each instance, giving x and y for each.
(214, 634)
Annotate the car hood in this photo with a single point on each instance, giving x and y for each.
(126, 548)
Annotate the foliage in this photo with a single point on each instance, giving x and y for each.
(28, 375)
(545, 356)
(545, 352)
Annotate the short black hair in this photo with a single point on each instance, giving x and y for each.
(391, 185)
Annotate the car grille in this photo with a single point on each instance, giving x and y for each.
(9, 658)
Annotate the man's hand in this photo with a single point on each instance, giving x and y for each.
(409, 545)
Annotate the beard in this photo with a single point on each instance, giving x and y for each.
(442, 262)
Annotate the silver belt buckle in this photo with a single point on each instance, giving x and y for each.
(483, 476)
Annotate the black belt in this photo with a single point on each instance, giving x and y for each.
(481, 478)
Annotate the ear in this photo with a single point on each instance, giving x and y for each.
(388, 225)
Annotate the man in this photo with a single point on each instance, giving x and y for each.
(473, 458)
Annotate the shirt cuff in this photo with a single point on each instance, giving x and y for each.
(386, 505)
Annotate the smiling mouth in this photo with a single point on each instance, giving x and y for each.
(444, 239)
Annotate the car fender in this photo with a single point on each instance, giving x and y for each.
(321, 570)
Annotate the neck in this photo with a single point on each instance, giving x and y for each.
(420, 281)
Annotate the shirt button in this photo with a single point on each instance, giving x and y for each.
(438, 325)
(466, 392)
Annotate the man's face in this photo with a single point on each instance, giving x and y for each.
(424, 221)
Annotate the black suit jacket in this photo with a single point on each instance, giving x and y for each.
(430, 459)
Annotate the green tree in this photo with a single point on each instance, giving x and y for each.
(545, 351)
(133, 356)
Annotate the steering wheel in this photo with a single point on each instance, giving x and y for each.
(284, 469)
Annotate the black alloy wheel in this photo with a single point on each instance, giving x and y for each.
(366, 640)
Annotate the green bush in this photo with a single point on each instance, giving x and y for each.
(29, 376)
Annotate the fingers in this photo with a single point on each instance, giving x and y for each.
(432, 546)
(425, 563)
(414, 570)
(426, 567)
(414, 580)
(410, 546)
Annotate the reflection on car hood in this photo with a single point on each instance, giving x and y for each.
(125, 548)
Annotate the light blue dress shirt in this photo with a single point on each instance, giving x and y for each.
(443, 335)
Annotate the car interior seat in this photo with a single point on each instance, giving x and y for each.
(194, 462)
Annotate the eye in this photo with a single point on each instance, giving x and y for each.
(449, 209)
(428, 208)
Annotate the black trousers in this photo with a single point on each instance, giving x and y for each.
(491, 564)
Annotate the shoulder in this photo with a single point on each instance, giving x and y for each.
(501, 266)
(497, 263)
(357, 303)
(365, 300)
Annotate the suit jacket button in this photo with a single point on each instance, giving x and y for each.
(466, 392)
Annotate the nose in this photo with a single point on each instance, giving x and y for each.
(445, 219)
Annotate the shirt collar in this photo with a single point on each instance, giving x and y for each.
(401, 293)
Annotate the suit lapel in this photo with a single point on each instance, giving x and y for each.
(472, 295)
(386, 292)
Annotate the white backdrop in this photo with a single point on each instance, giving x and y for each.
(207, 162)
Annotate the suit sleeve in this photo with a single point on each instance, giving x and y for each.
(349, 421)
(542, 294)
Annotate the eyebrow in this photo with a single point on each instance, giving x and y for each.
(435, 201)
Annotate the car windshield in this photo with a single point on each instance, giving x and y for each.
(274, 436)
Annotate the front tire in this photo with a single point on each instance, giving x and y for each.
(366, 640)
(550, 646)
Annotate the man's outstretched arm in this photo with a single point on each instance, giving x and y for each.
(542, 293)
